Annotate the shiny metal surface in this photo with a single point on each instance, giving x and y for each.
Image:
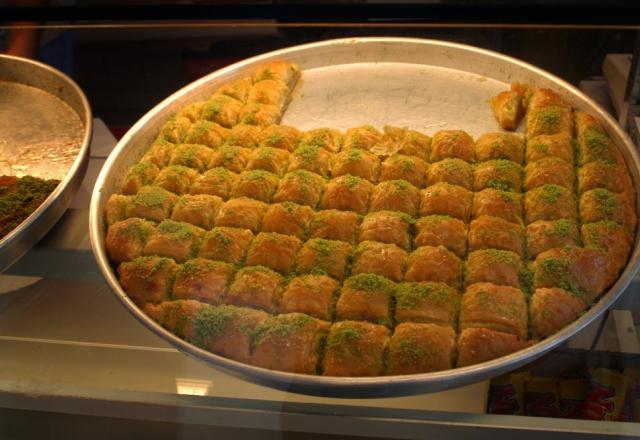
(45, 130)
(422, 84)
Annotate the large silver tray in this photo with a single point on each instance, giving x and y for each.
(422, 84)
(45, 131)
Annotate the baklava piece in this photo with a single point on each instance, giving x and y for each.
(549, 202)
(289, 342)
(477, 345)
(334, 225)
(551, 309)
(176, 178)
(379, 258)
(139, 175)
(406, 142)
(257, 287)
(320, 256)
(497, 203)
(159, 153)
(207, 133)
(327, 139)
(598, 174)
(387, 227)
(366, 297)
(542, 97)
(192, 111)
(550, 145)
(255, 184)
(610, 238)
(600, 204)
(310, 158)
(243, 135)
(499, 308)
(310, 294)
(242, 213)
(427, 302)
(364, 137)
(499, 174)
(355, 349)
(175, 130)
(401, 167)
(544, 235)
(583, 272)
(177, 240)
(508, 109)
(453, 171)
(506, 146)
(594, 143)
(494, 266)
(116, 209)
(227, 330)
(549, 120)
(450, 144)
(216, 182)
(442, 230)
(487, 232)
(279, 136)
(193, 156)
(287, 218)
(446, 199)
(282, 71)
(203, 280)
(395, 195)
(230, 157)
(347, 193)
(301, 187)
(176, 316)
(237, 89)
(421, 348)
(275, 251)
(269, 159)
(199, 210)
(126, 239)
(147, 279)
(260, 114)
(223, 110)
(552, 170)
(356, 162)
(269, 91)
(429, 263)
(547, 113)
(152, 203)
(226, 244)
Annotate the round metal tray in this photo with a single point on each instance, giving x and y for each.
(45, 131)
(422, 84)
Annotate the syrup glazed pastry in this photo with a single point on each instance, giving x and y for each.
(369, 252)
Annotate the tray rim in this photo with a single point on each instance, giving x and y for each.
(378, 386)
(32, 229)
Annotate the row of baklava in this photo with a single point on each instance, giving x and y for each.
(259, 99)
(581, 272)
(299, 343)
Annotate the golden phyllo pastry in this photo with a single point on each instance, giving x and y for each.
(421, 348)
(202, 280)
(355, 348)
(226, 244)
(428, 302)
(257, 287)
(289, 342)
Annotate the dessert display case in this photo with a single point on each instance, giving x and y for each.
(74, 354)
